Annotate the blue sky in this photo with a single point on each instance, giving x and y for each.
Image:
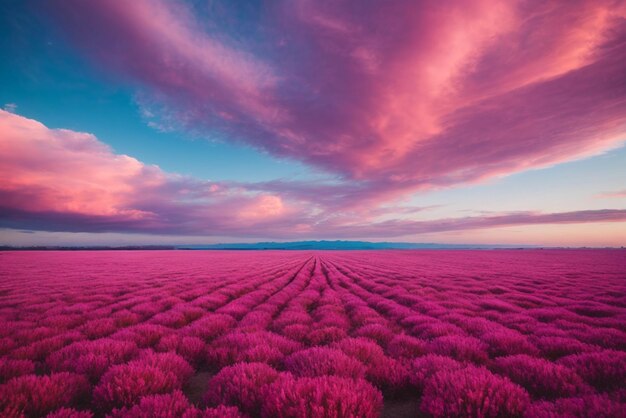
(54, 77)
(50, 82)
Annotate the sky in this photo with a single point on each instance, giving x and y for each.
(188, 122)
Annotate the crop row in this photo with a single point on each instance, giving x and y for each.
(302, 334)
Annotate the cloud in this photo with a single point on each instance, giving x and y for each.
(392, 97)
(10, 107)
(62, 180)
(614, 194)
(396, 228)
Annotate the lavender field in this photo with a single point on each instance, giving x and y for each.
(503, 333)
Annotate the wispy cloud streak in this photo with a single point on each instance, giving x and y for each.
(392, 96)
(614, 194)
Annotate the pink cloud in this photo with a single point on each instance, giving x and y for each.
(397, 228)
(397, 96)
(61, 180)
(56, 179)
(614, 194)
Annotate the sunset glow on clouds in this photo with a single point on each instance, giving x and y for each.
(391, 100)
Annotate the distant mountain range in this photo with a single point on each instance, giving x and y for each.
(294, 245)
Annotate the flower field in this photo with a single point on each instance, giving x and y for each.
(505, 333)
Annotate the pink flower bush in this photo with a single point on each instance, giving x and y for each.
(605, 337)
(264, 347)
(541, 378)
(460, 348)
(320, 361)
(433, 329)
(91, 358)
(389, 375)
(604, 370)
(556, 347)
(143, 335)
(506, 342)
(209, 326)
(326, 396)
(297, 332)
(242, 385)
(125, 384)
(168, 363)
(125, 318)
(362, 349)
(191, 349)
(39, 350)
(98, 328)
(472, 391)
(596, 406)
(405, 346)
(326, 335)
(38, 395)
(70, 413)
(178, 317)
(217, 412)
(10, 368)
(423, 368)
(379, 333)
(171, 405)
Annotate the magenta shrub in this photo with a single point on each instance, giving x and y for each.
(379, 333)
(390, 375)
(263, 347)
(422, 368)
(460, 348)
(590, 406)
(125, 318)
(178, 317)
(168, 363)
(326, 396)
(6, 345)
(92, 358)
(605, 337)
(98, 328)
(171, 405)
(405, 346)
(326, 335)
(209, 326)
(217, 412)
(191, 349)
(143, 335)
(219, 355)
(507, 342)
(472, 391)
(320, 361)
(296, 332)
(557, 347)
(39, 395)
(541, 378)
(241, 385)
(362, 349)
(434, 329)
(125, 384)
(39, 350)
(70, 413)
(10, 368)
(605, 369)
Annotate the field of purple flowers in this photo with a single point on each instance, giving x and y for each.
(528, 333)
